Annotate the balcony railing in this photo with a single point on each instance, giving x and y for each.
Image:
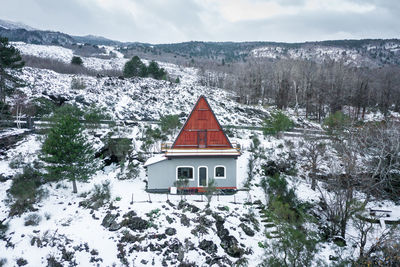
(168, 145)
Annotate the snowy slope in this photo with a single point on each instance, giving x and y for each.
(74, 235)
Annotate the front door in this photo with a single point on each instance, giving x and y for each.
(203, 176)
(202, 138)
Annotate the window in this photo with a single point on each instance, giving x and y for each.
(219, 172)
(184, 173)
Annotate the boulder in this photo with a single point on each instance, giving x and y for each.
(208, 246)
(109, 220)
(247, 230)
(136, 223)
(170, 231)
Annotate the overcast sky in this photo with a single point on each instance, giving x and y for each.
(170, 21)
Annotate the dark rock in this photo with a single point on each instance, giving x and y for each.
(109, 220)
(189, 207)
(228, 243)
(115, 226)
(340, 241)
(157, 236)
(94, 252)
(169, 219)
(185, 221)
(247, 230)
(143, 262)
(135, 223)
(208, 246)
(333, 258)
(170, 231)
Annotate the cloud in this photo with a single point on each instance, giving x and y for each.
(159, 21)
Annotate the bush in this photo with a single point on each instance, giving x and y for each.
(25, 190)
(337, 121)
(21, 262)
(76, 61)
(3, 262)
(169, 123)
(101, 194)
(78, 84)
(278, 122)
(43, 106)
(154, 70)
(32, 219)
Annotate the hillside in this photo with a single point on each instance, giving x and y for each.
(113, 221)
(365, 52)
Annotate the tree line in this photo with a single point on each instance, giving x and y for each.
(318, 88)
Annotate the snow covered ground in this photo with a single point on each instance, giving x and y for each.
(68, 228)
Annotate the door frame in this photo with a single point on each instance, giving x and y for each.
(198, 176)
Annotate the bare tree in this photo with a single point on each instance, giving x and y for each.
(314, 153)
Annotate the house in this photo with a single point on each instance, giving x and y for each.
(201, 152)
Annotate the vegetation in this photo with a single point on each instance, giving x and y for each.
(210, 190)
(66, 148)
(76, 61)
(78, 84)
(25, 190)
(292, 244)
(169, 124)
(136, 68)
(10, 59)
(337, 121)
(32, 219)
(278, 122)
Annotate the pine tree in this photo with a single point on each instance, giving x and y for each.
(76, 61)
(10, 59)
(135, 68)
(66, 149)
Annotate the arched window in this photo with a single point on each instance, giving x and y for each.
(219, 172)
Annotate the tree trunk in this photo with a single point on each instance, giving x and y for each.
(74, 188)
(313, 182)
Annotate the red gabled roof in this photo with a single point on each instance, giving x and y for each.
(202, 129)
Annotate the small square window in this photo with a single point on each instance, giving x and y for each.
(220, 172)
(185, 173)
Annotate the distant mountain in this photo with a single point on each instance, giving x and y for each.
(15, 25)
(366, 52)
(37, 36)
(95, 40)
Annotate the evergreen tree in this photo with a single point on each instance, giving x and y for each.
(10, 59)
(155, 71)
(76, 61)
(135, 68)
(66, 149)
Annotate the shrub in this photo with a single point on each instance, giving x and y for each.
(278, 122)
(336, 122)
(277, 189)
(169, 123)
(21, 262)
(76, 60)
(155, 71)
(25, 190)
(101, 194)
(78, 84)
(32, 219)
(3, 262)
(43, 106)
